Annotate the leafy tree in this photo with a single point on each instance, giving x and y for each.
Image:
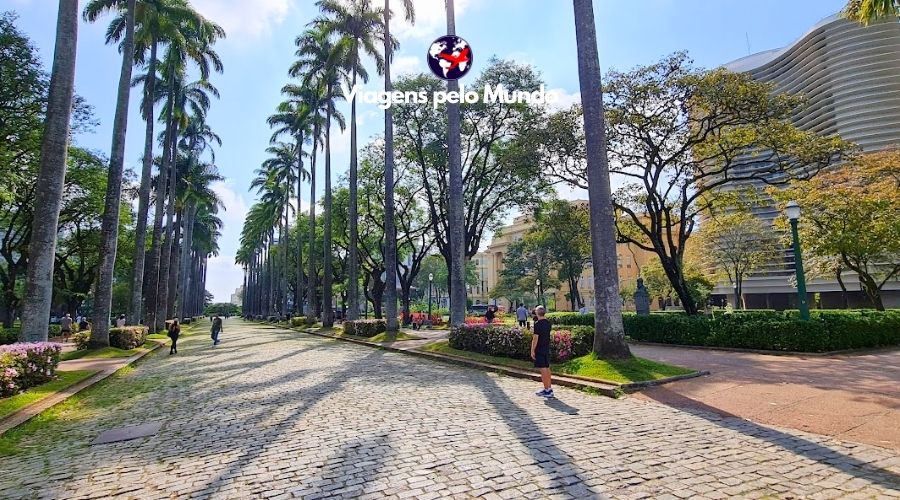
(565, 229)
(736, 244)
(866, 12)
(660, 286)
(677, 135)
(852, 213)
(526, 261)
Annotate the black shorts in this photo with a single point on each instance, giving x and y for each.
(541, 359)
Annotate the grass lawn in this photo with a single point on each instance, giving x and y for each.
(105, 352)
(12, 404)
(383, 337)
(620, 371)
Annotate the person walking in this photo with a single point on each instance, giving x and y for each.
(540, 351)
(522, 316)
(65, 327)
(83, 324)
(216, 329)
(489, 314)
(120, 321)
(174, 332)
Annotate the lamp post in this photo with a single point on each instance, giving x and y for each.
(540, 292)
(792, 210)
(430, 280)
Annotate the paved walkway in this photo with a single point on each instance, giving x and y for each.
(850, 397)
(276, 414)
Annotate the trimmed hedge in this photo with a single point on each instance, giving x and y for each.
(9, 335)
(570, 318)
(298, 321)
(365, 327)
(25, 365)
(128, 337)
(510, 342)
(81, 339)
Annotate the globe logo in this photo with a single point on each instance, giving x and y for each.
(450, 57)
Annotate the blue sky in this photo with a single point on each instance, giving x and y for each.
(260, 47)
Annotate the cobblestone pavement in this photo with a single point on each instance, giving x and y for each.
(275, 414)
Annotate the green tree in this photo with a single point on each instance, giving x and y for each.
(564, 228)
(526, 261)
(867, 12)
(51, 176)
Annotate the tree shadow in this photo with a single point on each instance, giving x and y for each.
(560, 406)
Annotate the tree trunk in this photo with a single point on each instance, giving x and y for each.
(140, 235)
(353, 251)
(174, 266)
(298, 293)
(284, 259)
(328, 311)
(51, 177)
(109, 231)
(184, 289)
(609, 332)
(675, 274)
(270, 306)
(840, 280)
(457, 243)
(390, 228)
(165, 254)
(311, 267)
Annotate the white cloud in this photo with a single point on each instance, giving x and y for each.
(235, 207)
(244, 19)
(431, 20)
(406, 64)
(563, 99)
(223, 277)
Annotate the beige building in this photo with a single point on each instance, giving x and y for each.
(489, 264)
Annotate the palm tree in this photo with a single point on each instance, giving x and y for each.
(455, 201)
(867, 12)
(109, 232)
(360, 27)
(197, 198)
(609, 333)
(48, 199)
(156, 22)
(320, 62)
(390, 227)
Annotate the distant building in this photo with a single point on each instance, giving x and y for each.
(850, 76)
(238, 296)
(489, 264)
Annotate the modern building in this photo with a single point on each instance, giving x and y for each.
(489, 264)
(238, 296)
(850, 77)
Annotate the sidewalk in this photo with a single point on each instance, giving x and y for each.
(854, 397)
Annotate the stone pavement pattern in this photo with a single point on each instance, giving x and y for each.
(852, 397)
(280, 414)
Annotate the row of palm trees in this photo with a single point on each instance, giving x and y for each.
(170, 40)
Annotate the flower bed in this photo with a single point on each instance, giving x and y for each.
(509, 342)
(365, 327)
(421, 318)
(25, 365)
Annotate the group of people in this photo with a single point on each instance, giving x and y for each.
(174, 331)
(67, 325)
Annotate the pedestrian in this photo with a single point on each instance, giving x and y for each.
(174, 332)
(540, 351)
(216, 329)
(583, 309)
(120, 321)
(83, 325)
(522, 315)
(489, 314)
(65, 327)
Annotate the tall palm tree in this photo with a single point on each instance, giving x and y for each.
(390, 227)
(156, 22)
(197, 198)
(867, 12)
(320, 63)
(455, 195)
(359, 26)
(51, 176)
(609, 332)
(109, 232)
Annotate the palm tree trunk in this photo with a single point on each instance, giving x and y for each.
(457, 245)
(311, 268)
(184, 289)
(51, 177)
(140, 236)
(165, 255)
(390, 229)
(153, 262)
(328, 311)
(174, 265)
(270, 260)
(609, 333)
(109, 231)
(298, 296)
(353, 257)
(284, 257)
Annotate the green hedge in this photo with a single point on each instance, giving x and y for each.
(365, 327)
(9, 335)
(512, 342)
(570, 318)
(128, 337)
(298, 321)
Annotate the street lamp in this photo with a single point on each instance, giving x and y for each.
(540, 292)
(792, 210)
(430, 280)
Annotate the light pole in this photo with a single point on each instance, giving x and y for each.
(430, 280)
(792, 210)
(540, 292)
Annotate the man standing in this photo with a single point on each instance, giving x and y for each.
(540, 350)
(65, 327)
(522, 315)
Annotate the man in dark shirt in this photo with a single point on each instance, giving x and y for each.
(540, 350)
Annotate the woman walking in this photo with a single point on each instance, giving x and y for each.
(174, 332)
(216, 329)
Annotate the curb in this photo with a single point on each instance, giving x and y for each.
(27, 413)
(864, 350)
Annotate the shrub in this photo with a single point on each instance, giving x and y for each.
(570, 318)
(582, 339)
(81, 339)
(365, 327)
(128, 337)
(54, 331)
(9, 335)
(25, 365)
(509, 342)
(298, 321)
(475, 320)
